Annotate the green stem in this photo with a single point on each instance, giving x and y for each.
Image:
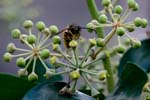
(73, 87)
(110, 78)
(75, 56)
(95, 14)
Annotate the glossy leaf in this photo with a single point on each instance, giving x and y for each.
(139, 56)
(130, 83)
(50, 91)
(13, 88)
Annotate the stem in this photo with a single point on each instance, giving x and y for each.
(75, 56)
(107, 66)
(73, 87)
(64, 64)
(95, 14)
(29, 45)
(45, 66)
(63, 72)
(28, 63)
(23, 54)
(34, 64)
(89, 72)
(20, 49)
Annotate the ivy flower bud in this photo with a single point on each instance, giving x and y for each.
(106, 2)
(130, 28)
(22, 72)
(53, 29)
(102, 75)
(11, 47)
(33, 76)
(23, 37)
(131, 3)
(28, 24)
(120, 31)
(46, 31)
(21, 62)
(137, 21)
(74, 75)
(95, 23)
(31, 39)
(45, 53)
(15, 33)
(136, 43)
(118, 9)
(40, 25)
(120, 49)
(56, 40)
(127, 41)
(144, 23)
(55, 47)
(53, 60)
(73, 43)
(92, 42)
(136, 7)
(7, 57)
(90, 27)
(100, 42)
(102, 18)
(49, 73)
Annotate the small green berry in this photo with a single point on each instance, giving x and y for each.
(102, 18)
(56, 40)
(127, 41)
(31, 39)
(100, 42)
(7, 57)
(106, 2)
(137, 21)
(144, 23)
(120, 49)
(131, 3)
(74, 75)
(130, 28)
(33, 77)
(55, 47)
(53, 60)
(23, 37)
(118, 9)
(22, 72)
(120, 31)
(45, 53)
(92, 42)
(40, 25)
(21, 62)
(53, 29)
(136, 7)
(73, 43)
(49, 73)
(15, 33)
(28, 24)
(136, 43)
(102, 75)
(90, 27)
(94, 22)
(11, 47)
(46, 31)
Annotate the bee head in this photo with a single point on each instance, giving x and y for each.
(74, 28)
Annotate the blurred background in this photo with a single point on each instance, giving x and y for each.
(58, 12)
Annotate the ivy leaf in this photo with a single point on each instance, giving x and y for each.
(50, 91)
(139, 56)
(12, 87)
(130, 83)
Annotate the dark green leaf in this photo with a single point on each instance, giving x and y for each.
(13, 88)
(139, 56)
(50, 91)
(130, 84)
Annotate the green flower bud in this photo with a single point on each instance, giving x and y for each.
(74, 75)
(45, 53)
(118, 9)
(56, 40)
(28, 24)
(136, 7)
(40, 25)
(131, 3)
(90, 27)
(11, 47)
(127, 41)
(31, 39)
(46, 31)
(100, 42)
(136, 43)
(94, 22)
(106, 2)
(21, 62)
(22, 72)
(53, 29)
(7, 57)
(15, 33)
(55, 47)
(120, 49)
(116, 17)
(137, 21)
(120, 31)
(53, 60)
(73, 43)
(102, 18)
(144, 23)
(102, 75)
(92, 42)
(49, 73)
(130, 28)
(23, 37)
(33, 76)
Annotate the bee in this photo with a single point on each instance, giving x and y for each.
(71, 32)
